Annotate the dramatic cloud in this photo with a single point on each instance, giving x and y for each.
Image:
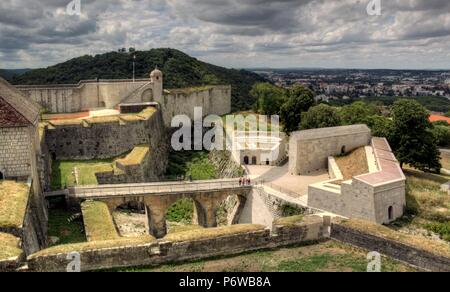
(232, 33)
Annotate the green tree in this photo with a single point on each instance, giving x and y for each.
(320, 116)
(442, 135)
(269, 98)
(441, 123)
(356, 113)
(380, 126)
(412, 139)
(300, 100)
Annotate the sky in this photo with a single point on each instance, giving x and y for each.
(409, 34)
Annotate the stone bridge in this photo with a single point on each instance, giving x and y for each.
(159, 197)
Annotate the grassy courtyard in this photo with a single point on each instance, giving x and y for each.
(64, 227)
(63, 172)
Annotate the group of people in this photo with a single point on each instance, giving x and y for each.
(245, 181)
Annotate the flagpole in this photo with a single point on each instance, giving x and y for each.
(134, 60)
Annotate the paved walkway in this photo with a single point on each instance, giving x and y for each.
(280, 178)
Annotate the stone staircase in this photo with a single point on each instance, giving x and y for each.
(134, 94)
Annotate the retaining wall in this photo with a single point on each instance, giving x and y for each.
(399, 251)
(11, 264)
(103, 140)
(162, 252)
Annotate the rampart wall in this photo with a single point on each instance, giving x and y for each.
(400, 251)
(170, 251)
(104, 138)
(214, 100)
(70, 98)
(109, 94)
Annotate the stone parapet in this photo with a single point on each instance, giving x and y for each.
(162, 251)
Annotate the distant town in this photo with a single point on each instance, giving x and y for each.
(342, 84)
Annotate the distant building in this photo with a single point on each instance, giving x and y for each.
(322, 97)
(258, 148)
(436, 118)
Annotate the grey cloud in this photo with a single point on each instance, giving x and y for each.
(37, 33)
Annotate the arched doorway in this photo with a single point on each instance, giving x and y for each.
(267, 161)
(391, 213)
(254, 160)
(246, 160)
(2, 176)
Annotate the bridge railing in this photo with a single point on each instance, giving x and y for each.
(156, 188)
(278, 188)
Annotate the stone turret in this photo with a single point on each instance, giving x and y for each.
(156, 77)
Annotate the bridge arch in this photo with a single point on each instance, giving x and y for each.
(158, 208)
(130, 219)
(159, 197)
(229, 210)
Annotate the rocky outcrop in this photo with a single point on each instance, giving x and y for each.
(225, 166)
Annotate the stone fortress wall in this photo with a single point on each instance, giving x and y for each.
(214, 100)
(309, 150)
(83, 96)
(103, 138)
(15, 151)
(225, 241)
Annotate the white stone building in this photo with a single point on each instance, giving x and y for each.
(378, 196)
(258, 148)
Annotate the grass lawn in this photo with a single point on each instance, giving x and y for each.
(428, 208)
(62, 172)
(353, 164)
(181, 212)
(67, 231)
(9, 246)
(191, 163)
(13, 203)
(323, 257)
(98, 221)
